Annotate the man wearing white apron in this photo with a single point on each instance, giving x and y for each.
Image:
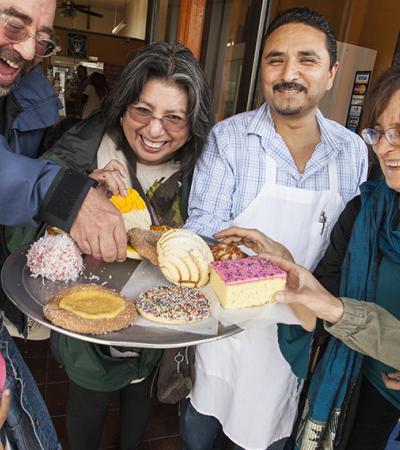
(287, 171)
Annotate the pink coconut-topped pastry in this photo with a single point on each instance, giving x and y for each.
(245, 282)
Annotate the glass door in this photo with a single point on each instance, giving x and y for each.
(230, 46)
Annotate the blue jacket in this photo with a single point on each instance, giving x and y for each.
(32, 190)
(28, 425)
(32, 108)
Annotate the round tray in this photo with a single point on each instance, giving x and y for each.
(31, 294)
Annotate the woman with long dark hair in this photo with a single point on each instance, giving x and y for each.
(154, 125)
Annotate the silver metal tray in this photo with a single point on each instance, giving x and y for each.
(31, 294)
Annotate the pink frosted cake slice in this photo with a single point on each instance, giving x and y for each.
(244, 282)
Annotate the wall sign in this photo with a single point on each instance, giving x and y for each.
(360, 87)
(77, 45)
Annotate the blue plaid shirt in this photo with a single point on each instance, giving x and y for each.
(231, 170)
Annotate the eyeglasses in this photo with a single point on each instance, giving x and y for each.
(15, 31)
(145, 116)
(372, 137)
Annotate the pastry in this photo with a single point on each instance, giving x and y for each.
(132, 253)
(133, 209)
(222, 252)
(91, 309)
(184, 258)
(145, 243)
(162, 228)
(135, 214)
(173, 305)
(244, 282)
(55, 256)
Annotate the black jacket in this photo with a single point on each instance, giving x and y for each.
(328, 269)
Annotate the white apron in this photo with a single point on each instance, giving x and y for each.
(243, 380)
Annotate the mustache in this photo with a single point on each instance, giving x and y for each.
(8, 53)
(292, 86)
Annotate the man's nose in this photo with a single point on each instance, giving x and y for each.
(290, 71)
(26, 48)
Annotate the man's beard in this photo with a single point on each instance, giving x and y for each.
(8, 54)
(289, 110)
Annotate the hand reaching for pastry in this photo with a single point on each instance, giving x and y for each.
(111, 178)
(255, 240)
(303, 289)
(99, 228)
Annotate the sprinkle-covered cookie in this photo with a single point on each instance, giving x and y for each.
(173, 305)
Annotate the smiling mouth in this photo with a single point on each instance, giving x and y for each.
(393, 164)
(9, 69)
(292, 91)
(153, 145)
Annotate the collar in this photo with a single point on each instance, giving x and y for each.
(37, 100)
(262, 125)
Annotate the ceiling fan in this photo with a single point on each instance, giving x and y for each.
(70, 9)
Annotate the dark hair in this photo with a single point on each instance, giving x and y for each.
(308, 17)
(172, 63)
(376, 101)
(81, 68)
(98, 80)
(379, 95)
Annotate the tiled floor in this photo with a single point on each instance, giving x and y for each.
(162, 432)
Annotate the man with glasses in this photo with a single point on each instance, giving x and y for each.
(35, 191)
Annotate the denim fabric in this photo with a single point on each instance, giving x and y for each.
(28, 424)
(201, 432)
(198, 431)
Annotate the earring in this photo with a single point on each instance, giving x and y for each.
(120, 120)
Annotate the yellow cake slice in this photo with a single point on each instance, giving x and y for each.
(245, 282)
(133, 209)
(135, 214)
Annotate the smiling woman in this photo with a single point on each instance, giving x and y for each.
(363, 263)
(155, 125)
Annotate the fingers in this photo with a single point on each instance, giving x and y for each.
(238, 234)
(289, 297)
(121, 242)
(99, 229)
(113, 176)
(391, 380)
(115, 183)
(114, 164)
(4, 406)
(281, 262)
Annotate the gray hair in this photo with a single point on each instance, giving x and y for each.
(172, 63)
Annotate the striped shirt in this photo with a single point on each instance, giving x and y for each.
(231, 170)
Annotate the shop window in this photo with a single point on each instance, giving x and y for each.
(231, 32)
